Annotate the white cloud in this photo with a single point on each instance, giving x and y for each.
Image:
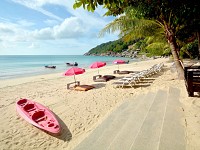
(92, 22)
(25, 23)
(51, 22)
(4, 19)
(70, 28)
(78, 32)
(35, 5)
(12, 32)
(33, 46)
(93, 19)
(43, 34)
(5, 30)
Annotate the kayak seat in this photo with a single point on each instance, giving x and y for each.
(29, 107)
(22, 102)
(39, 116)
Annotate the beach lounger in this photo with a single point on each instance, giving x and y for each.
(130, 81)
(100, 78)
(137, 76)
(83, 87)
(122, 72)
(109, 77)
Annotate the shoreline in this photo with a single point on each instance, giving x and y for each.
(33, 65)
(46, 76)
(80, 112)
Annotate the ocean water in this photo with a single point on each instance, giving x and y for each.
(16, 66)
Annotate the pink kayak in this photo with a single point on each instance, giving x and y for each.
(38, 115)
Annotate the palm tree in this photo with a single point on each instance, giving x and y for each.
(131, 28)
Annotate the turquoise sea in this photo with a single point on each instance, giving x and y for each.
(15, 66)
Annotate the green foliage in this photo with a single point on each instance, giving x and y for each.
(172, 20)
(166, 51)
(119, 47)
(155, 49)
(148, 31)
(114, 5)
(152, 48)
(145, 46)
(141, 44)
(189, 50)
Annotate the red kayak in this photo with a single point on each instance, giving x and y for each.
(38, 115)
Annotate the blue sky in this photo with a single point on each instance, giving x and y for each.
(49, 27)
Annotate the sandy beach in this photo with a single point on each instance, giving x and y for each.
(79, 112)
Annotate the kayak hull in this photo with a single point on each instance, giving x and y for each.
(38, 115)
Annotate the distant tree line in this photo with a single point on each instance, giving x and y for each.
(116, 46)
(145, 46)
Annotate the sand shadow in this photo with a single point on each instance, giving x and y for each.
(158, 74)
(145, 81)
(98, 85)
(117, 78)
(141, 85)
(149, 79)
(138, 85)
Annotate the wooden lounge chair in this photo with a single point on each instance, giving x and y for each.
(100, 78)
(83, 87)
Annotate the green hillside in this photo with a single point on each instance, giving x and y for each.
(113, 46)
(145, 46)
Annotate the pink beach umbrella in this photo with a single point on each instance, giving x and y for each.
(119, 61)
(98, 65)
(74, 71)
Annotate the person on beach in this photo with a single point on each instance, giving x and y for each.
(75, 64)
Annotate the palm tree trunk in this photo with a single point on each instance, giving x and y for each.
(174, 49)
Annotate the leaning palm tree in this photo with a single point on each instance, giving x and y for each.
(131, 28)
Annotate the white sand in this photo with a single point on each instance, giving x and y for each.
(80, 112)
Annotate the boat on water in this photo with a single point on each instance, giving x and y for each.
(52, 67)
(38, 115)
(72, 64)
